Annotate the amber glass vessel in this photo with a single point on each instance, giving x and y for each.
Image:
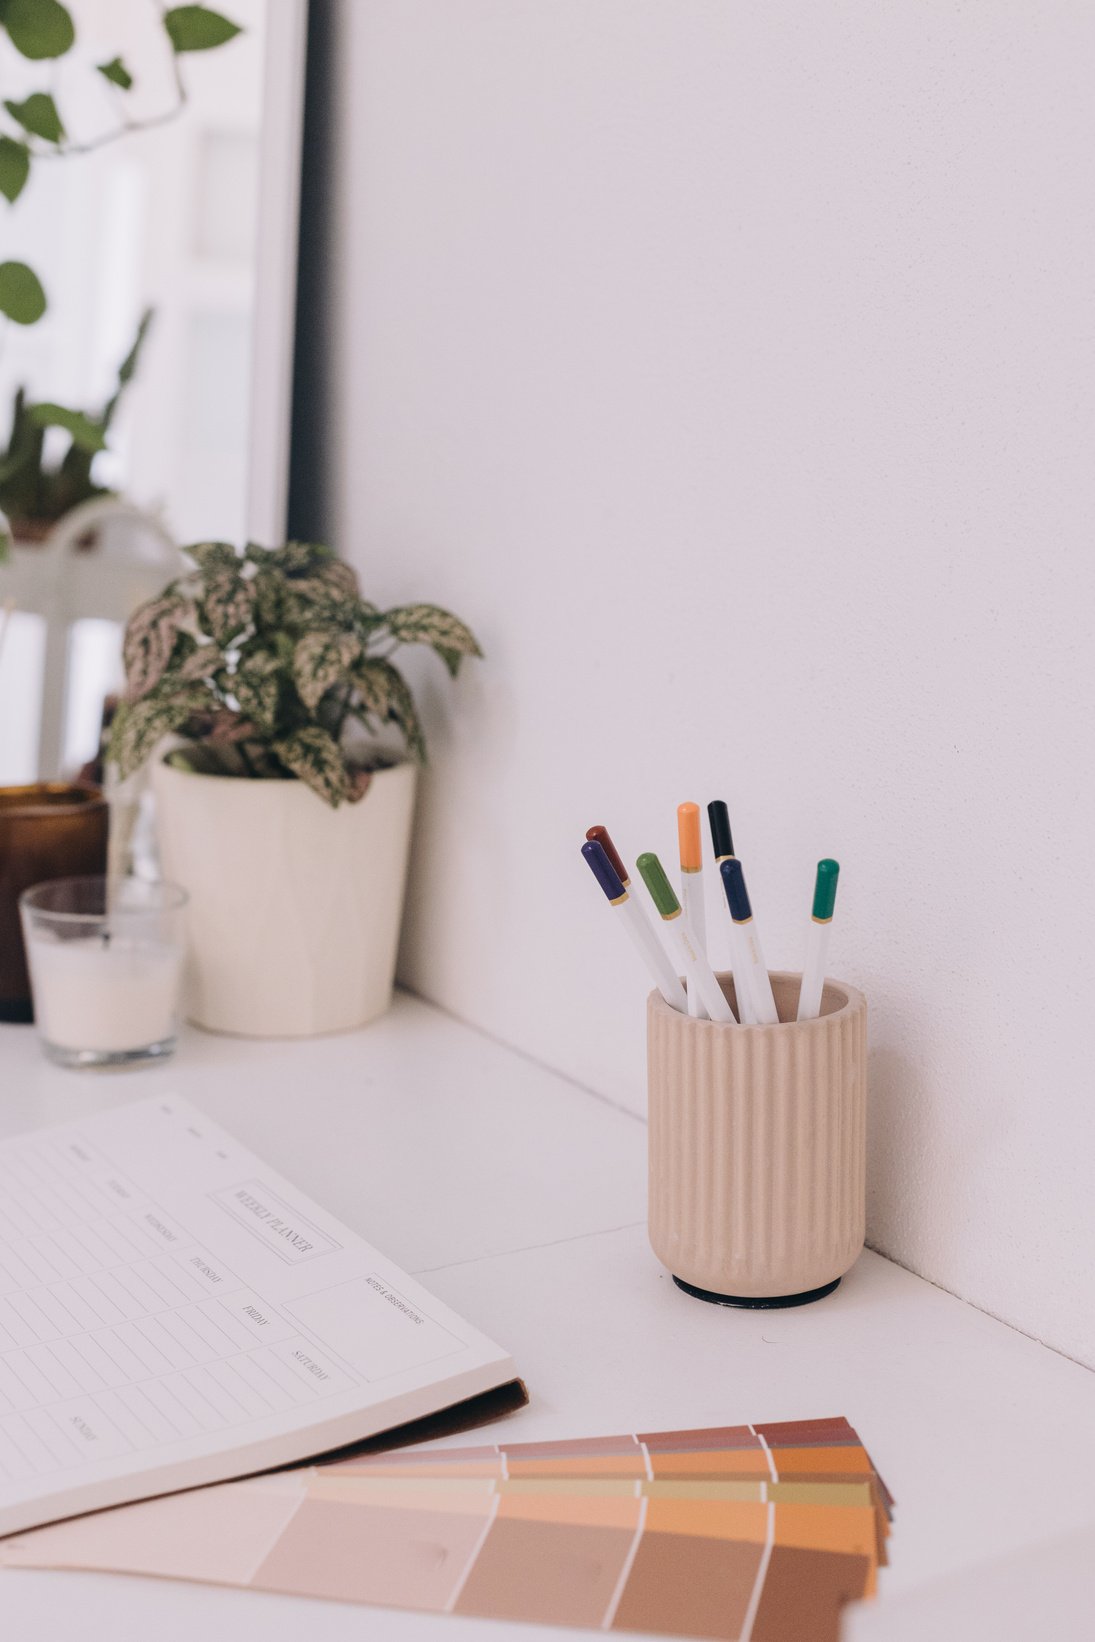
(52, 829)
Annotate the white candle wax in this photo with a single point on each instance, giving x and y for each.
(109, 996)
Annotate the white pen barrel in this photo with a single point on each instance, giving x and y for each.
(701, 977)
(653, 954)
(813, 974)
(695, 1002)
(763, 1000)
(743, 980)
(693, 906)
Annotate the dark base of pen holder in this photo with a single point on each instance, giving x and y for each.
(766, 1302)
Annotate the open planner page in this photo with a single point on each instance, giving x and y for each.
(172, 1312)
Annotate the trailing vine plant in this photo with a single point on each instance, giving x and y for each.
(33, 130)
(43, 31)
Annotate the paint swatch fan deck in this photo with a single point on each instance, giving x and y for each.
(748, 1532)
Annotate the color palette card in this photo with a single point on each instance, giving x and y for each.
(758, 1532)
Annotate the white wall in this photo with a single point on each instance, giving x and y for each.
(729, 367)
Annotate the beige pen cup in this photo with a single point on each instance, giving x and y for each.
(758, 1147)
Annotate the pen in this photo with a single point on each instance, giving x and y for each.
(745, 933)
(817, 940)
(645, 940)
(688, 839)
(722, 843)
(701, 977)
(600, 835)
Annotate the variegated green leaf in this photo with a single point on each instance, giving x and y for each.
(385, 692)
(310, 604)
(256, 686)
(268, 593)
(373, 682)
(405, 714)
(451, 658)
(300, 558)
(341, 576)
(226, 606)
(149, 640)
(429, 624)
(320, 660)
(210, 556)
(201, 662)
(139, 725)
(318, 760)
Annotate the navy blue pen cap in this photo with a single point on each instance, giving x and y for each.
(603, 870)
(733, 882)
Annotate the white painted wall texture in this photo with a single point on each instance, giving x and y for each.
(730, 368)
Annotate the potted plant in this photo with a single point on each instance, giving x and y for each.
(280, 809)
(35, 496)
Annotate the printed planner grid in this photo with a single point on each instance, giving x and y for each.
(120, 1333)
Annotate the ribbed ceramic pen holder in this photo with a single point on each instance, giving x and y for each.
(758, 1147)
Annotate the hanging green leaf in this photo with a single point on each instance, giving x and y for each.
(14, 167)
(129, 364)
(21, 295)
(88, 435)
(196, 28)
(38, 115)
(126, 369)
(116, 72)
(38, 28)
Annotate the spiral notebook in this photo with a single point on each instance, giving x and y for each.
(173, 1312)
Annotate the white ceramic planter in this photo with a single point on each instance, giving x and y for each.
(294, 907)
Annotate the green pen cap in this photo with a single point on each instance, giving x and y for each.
(661, 890)
(825, 890)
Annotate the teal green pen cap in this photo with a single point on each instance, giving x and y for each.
(661, 890)
(825, 890)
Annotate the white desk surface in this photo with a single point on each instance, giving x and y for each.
(520, 1200)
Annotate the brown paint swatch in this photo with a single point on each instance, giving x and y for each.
(804, 1592)
(546, 1573)
(687, 1586)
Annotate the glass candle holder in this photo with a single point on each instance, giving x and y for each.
(106, 966)
(53, 829)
